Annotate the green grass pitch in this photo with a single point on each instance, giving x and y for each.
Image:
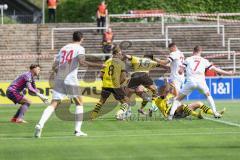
(185, 139)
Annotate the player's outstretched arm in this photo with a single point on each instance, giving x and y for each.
(35, 91)
(31, 88)
(123, 77)
(181, 70)
(55, 67)
(223, 72)
(162, 62)
(129, 57)
(83, 62)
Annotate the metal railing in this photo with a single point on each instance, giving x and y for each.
(65, 29)
(229, 45)
(201, 16)
(137, 16)
(196, 26)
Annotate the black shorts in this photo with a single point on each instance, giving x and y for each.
(140, 78)
(118, 93)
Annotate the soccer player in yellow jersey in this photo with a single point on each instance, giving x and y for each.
(165, 100)
(113, 75)
(141, 67)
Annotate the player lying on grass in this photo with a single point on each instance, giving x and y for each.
(18, 86)
(113, 76)
(141, 68)
(195, 67)
(165, 99)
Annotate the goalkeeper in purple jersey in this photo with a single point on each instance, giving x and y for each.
(18, 86)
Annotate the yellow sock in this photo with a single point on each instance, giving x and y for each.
(188, 111)
(96, 110)
(207, 110)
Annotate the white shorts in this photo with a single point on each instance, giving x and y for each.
(189, 86)
(63, 90)
(177, 83)
(60, 96)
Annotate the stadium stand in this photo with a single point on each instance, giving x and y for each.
(35, 39)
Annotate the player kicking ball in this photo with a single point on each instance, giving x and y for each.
(195, 67)
(66, 82)
(113, 75)
(18, 86)
(141, 67)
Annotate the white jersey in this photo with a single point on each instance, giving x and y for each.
(195, 68)
(68, 63)
(176, 59)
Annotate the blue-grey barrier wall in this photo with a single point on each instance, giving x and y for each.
(221, 88)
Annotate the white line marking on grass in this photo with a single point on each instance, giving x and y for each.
(223, 122)
(127, 135)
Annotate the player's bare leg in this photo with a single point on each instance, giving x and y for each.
(143, 104)
(139, 91)
(18, 117)
(188, 110)
(205, 109)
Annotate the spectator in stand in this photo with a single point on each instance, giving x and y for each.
(107, 42)
(102, 13)
(52, 6)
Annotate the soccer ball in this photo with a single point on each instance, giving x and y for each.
(121, 115)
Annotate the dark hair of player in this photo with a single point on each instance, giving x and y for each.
(197, 49)
(171, 45)
(77, 36)
(32, 66)
(149, 55)
(116, 50)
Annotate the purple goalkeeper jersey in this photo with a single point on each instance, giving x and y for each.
(21, 82)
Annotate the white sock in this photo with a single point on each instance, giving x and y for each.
(175, 105)
(212, 104)
(45, 116)
(79, 118)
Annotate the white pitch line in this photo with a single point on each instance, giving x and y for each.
(223, 122)
(127, 135)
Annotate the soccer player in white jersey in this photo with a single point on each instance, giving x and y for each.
(66, 82)
(175, 59)
(195, 67)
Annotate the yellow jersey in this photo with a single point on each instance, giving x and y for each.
(164, 104)
(142, 64)
(112, 72)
